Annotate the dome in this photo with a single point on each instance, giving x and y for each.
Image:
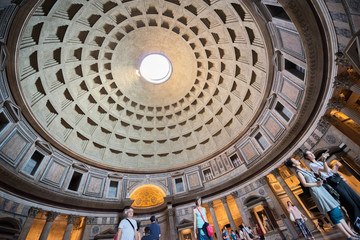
(80, 80)
(89, 125)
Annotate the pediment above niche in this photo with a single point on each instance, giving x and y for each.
(14, 110)
(270, 101)
(81, 166)
(253, 129)
(115, 175)
(44, 146)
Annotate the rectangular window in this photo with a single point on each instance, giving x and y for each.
(208, 175)
(75, 181)
(235, 160)
(262, 141)
(113, 189)
(278, 12)
(295, 69)
(283, 111)
(179, 185)
(33, 163)
(3, 121)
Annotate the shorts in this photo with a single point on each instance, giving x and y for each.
(335, 215)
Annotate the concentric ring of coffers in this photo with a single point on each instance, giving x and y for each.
(79, 78)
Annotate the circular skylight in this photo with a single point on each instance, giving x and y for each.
(155, 68)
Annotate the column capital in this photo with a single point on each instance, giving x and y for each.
(89, 220)
(71, 219)
(210, 204)
(223, 200)
(235, 194)
(33, 212)
(336, 103)
(276, 173)
(171, 212)
(345, 79)
(50, 216)
(340, 59)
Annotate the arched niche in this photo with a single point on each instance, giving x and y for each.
(260, 213)
(10, 228)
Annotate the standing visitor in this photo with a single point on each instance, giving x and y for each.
(242, 234)
(322, 198)
(348, 197)
(299, 219)
(199, 221)
(147, 234)
(259, 232)
(225, 233)
(127, 229)
(249, 233)
(233, 235)
(155, 232)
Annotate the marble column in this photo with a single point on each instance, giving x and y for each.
(87, 231)
(228, 213)
(171, 222)
(215, 222)
(239, 205)
(70, 222)
(50, 217)
(32, 213)
(279, 210)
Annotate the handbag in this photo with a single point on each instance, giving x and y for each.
(334, 180)
(209, 230)
(332, 191)
(292, 218)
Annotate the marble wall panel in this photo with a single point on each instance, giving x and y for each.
(55, 173)
(273, 127)
(94, 185)
(290, 92)
(248, 151)
(193, 180)
(14, 146)
(291, 42)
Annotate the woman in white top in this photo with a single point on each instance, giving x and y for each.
(348, 197)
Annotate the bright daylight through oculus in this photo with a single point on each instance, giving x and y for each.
(155, 68)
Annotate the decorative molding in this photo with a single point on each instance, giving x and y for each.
(89, 220)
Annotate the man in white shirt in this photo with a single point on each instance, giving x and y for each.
(127, 229)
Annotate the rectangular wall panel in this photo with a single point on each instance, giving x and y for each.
(14, 146)
(55, 173)
(273, 127)
(290, 92)
(291, 42)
